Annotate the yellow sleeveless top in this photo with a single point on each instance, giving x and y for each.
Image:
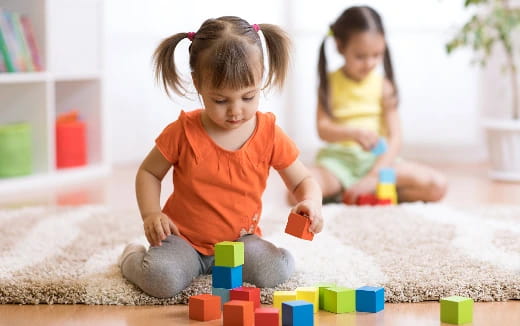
(357, 104)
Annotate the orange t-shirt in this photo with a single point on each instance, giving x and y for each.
(217, 193)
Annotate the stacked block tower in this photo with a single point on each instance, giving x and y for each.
(386, 191)
(227, 272)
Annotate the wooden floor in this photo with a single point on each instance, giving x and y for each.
(469, 185)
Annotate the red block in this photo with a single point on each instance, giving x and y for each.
(298, 225)
(204, 307)
(367, 199)
(246, 293)
(239, 313)
(384, 201)
(71, 144)
(267, 317)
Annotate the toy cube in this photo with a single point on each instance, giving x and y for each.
(267, 317)
(309, 294)
(456, 310)
(367, 199)
(370, 299)
(387, 191)
(222, 293)
(384, 202)
(380, 147)
(298, 226)
(297, 313)
(247, 294)
(238, 313)
(339, 300)
(282, 296)
(387, 175)
(204, 307)
(227, 277)
(321, 289)
(229, 254)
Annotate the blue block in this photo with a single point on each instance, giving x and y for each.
(370, 299)
(222, 293)
(297, 313)
(387, 175)
(227, 277)
(380, 147)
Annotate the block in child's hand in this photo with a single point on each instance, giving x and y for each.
(380, 147)
(298, 226)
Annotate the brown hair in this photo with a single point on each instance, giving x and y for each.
(352, 20)
(220, 52)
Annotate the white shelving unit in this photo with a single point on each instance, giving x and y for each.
(70, 41)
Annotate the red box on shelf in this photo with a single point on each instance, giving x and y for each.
(71, 144)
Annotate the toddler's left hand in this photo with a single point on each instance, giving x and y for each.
(312, 209)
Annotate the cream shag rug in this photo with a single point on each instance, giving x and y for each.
(417, 252)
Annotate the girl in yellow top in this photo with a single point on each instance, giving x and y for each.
(357, 106)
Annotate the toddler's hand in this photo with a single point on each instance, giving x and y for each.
(366, 138)
(312, 209)
(157, 227)
(366, 185)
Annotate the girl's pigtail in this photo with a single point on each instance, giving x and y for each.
(164, 64)
(389, 70)
(278, 46)
(323, 89)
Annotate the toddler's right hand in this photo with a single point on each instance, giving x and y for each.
(157, 227)
(366, 138)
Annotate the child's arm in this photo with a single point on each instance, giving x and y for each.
(306, 191)
(157, 226)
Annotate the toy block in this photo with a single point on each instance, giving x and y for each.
(387, 191)
(380, 147)
(339, 300)
(238, 313)
(366, 199)
(298, 226)
(204, 307)
(247, 294)
(370, 299)
(309, 294)
(387, 175)
(222, 293)
(282, 296)
(227, 277)
(267, 317)
(297, 313)
(229, 254)
(456, 310)
(321, 289)
(384, 202)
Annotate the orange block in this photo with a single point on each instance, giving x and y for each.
(204, 307)
(298, 225)
(246, 293)
(239, 313)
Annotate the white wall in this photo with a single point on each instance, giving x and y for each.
(439, 94)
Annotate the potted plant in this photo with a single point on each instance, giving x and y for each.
(493, 26)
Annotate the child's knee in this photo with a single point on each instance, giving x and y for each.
(438, 186)
(161, 281)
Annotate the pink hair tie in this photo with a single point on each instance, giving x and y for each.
(191, 35)
(256, 27)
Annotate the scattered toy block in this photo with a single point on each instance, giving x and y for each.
(222, 293)
(387, 175)
(227, 277)
(282, 296)
(321, 289)
(204, 307)
(238, 313)
(456, 310)
(267, 317)
(366, 199)
(229, 254)
(247, 294)
(380, 147)
(298, 226)
(339, 300)
(297, 313)
(370, 299)
(309, 294)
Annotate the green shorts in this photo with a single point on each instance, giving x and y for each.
(348, 163)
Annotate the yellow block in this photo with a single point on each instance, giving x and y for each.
(309, 294)
(282, 296)
(387, 190)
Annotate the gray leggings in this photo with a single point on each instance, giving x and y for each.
(166, 270)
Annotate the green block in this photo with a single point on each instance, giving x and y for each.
(15, 150)
(322, 287)
(339, 299)
(456, 310)
(229, 254)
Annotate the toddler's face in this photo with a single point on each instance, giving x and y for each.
(363, 52)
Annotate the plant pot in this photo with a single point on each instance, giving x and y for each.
(503, 138)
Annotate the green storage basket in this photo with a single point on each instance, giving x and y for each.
(15, 150)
